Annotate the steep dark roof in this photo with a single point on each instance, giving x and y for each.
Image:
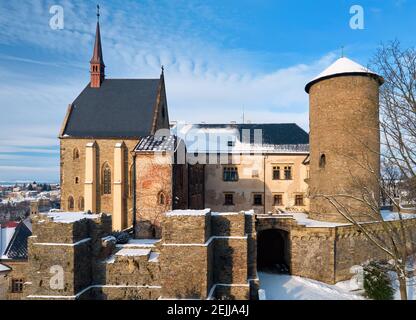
(273, 133)
(17, 248)
(119, 108)
(156, 143)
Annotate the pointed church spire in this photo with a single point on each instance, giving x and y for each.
(97, 62)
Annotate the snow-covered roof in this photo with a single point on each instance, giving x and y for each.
(70, 217)
(341, 66)
(133, 252)
(145, 243)
(188, 213)
(4, 268)
(237, 138)
(395, 216)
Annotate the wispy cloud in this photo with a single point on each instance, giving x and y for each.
(206, 81)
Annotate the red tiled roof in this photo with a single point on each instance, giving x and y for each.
(10, 224)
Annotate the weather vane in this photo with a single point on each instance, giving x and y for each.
(98, 12)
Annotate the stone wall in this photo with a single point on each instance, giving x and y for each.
(64, 249)
(18, 271)
(200, 256)
(4, 285)
(207, 255)
(153, 180)
(327, 253)
(344, 128)
(71, 169)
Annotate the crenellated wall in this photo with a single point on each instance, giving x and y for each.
(201, 255)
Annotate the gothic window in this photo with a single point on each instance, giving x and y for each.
(75, 154)
(106, 179)
(81, 204)
(322, 161)
(131, 177)
(161, 199)
(70, 203)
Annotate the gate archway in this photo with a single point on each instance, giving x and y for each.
(273, 251)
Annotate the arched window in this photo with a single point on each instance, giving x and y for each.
(70, 203)
(322, 161)
(76, 180)
(81, 204)
(131, 177)
(75, 154)
(161, 199)
(106, 179)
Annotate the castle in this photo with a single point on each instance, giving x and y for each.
(124, 163)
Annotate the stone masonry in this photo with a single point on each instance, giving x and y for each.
(201, 255)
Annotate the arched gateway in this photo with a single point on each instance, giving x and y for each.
(273, 251)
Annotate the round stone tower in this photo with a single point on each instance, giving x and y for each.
(344, 139)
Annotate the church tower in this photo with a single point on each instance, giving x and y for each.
(97, 65)
(344, 138)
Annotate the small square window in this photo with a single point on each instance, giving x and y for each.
(230, 174)
(231, 143)
(228, 199)
(258, 200)
(299, 200)
(17, 285)
(276, 173)
(278, 200)
(288, 173)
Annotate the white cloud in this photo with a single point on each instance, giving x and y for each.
(205, 81)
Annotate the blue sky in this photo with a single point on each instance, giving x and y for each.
(219, 57)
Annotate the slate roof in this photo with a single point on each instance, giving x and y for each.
(17, 248)
(156, 144)
(272, 133)
(120, 108)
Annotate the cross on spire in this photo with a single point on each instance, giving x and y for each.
(97, 61)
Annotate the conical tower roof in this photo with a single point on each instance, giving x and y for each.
(97, 56)
(343, 66)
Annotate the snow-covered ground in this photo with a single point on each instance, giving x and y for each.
(287, 287)
(411, 287)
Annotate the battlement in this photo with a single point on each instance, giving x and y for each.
(201, 255)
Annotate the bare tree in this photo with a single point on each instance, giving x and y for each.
(390, 179)
(394, 234)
